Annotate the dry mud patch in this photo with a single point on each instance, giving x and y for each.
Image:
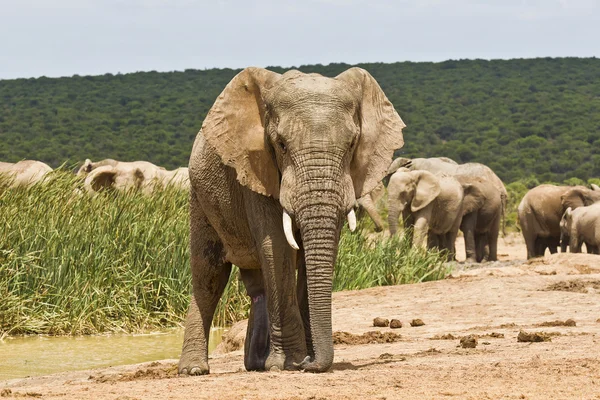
(493, 308)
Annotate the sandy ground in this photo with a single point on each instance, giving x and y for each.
(494, 301)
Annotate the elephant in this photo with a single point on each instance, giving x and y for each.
(280, 157)
(24, 173)
(431, 205)
(124, 177)
(368, 204)
(582, 225)
(540, 212)
(482, 213)
(179, 178)
(444, 165)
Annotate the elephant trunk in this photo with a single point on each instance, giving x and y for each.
(393, 215)
(319, 227)
(367, 203)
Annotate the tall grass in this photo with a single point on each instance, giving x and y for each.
(76, 264)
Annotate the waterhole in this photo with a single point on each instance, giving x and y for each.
(41, 355)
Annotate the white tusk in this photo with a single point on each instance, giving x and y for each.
(287, 229)
(352, 220)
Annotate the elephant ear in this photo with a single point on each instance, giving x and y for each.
(473, 198)
(138, 178)
(234, 126)
(427, 189)
(579, 197)
(380, 131)
(102, 178)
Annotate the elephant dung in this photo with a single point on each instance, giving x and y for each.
(395, 324)
(533, 337)
(381, 322)
(468, 342)
(417, 322)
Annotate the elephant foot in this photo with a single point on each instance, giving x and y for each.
(192, 366)
(275, 362)
(310, 365)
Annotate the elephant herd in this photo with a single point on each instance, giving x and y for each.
(567, 216)
(437, 197)
(105, 174)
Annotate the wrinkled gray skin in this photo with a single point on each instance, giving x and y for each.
(271, 146)
(23, 173)
(582, 225)
(431, 205)
(482, 213)
(480, 248)
(369, 202)
(540, 213)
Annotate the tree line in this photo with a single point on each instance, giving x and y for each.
(528, 119)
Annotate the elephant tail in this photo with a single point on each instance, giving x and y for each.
(503, 198)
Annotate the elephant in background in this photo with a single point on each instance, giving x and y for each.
(124, 176)
(582, 225)
(431, 205)
(24, 173)
(541, 210)
(369, 202)
(121, 175)
(179, 178)
(465, 173)
(275, 171)
(482, 213)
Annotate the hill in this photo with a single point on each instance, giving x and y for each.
(522, 117)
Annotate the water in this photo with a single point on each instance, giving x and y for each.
(41, 355)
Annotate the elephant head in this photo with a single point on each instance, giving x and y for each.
(566, 223)
(88, 166)
(315, 144)
(579, 196)
(108, 177)
(414, 189)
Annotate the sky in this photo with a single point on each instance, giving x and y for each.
(92, 37)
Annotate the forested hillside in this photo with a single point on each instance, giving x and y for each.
(523, 118)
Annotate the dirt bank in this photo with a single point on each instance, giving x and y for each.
(492, 304)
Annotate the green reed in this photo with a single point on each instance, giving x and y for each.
(74, 264)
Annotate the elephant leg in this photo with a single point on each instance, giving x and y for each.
(593, 249)
(481, 246)
(553, 244)
(468, 228)
(210, 274)
(287, 344)
(540, 246)
(302, 295)
(256, 346)
(421, 227)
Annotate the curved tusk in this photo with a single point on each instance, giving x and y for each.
(287, 229)
(352, 220)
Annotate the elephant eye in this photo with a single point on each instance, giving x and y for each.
(281, 145)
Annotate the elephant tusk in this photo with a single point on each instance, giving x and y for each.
(352, 220)
(287, 229)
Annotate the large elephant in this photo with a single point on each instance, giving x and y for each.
(24, 173)
(431, 205)
(281, 157)
(443, 165)
(369, 202)
(582, 225)
(482, 213)
(540, 212)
